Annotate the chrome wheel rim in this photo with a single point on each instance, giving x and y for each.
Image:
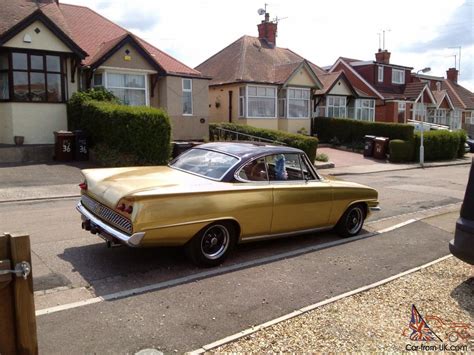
(355, 218)
(215, 242)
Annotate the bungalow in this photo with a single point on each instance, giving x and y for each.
(50, 50)
(255, 82)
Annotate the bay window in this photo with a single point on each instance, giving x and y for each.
(365, 110)
(298, 103)
(261, 102)
(336, 106)
(402, 109)
(129, 88)
(242, 101)
(36, 77)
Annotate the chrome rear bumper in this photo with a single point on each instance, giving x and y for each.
(107, 231)
(375, 209)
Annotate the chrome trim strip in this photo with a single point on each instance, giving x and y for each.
(288, 234)
(376, 208)
(134, 240)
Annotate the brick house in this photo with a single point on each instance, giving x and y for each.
(402, 96)
(50, 50)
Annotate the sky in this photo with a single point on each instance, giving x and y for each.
(418, 33)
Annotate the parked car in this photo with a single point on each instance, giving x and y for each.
(218, 194)
(462, 246)
(470, 143)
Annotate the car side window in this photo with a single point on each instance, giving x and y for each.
(283, 167)
(255, 170)
(307, 172)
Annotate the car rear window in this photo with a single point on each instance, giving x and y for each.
(207, 163)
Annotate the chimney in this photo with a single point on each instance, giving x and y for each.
(267, 31)
(382, 56)
(452, 74)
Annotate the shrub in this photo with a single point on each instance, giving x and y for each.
(401, 151)
(462, 141)
(322, 157)
(352, 132)
(142, 132)
(439, 145)
(306, 143)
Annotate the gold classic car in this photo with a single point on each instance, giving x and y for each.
(219, 194)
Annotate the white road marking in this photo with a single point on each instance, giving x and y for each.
(213, 272)
(312, 307)
(396, 226)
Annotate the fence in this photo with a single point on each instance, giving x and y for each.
(17, 308)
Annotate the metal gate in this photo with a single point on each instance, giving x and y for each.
(17, 307)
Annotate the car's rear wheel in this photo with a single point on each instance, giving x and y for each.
(351, 221)
(212, 244)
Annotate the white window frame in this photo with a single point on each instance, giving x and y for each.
(126, 72)
(360, 107)
(402, 107)
(402, 76)
(380, 69)
(242, 101)
(338, 107)
(288, 99)
(247, 100)
(468, 117)
(187, 90)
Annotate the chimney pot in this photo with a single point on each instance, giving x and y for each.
(267, 31)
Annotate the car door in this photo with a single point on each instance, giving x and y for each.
(301, 200)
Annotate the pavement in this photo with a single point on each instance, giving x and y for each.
(350, 163)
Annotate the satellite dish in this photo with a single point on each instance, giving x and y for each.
(261, 11)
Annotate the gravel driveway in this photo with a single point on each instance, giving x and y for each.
(377, 320)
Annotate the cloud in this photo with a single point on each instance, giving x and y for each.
(457, 31)
(138, 20)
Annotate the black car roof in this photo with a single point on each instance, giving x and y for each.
(248, 149)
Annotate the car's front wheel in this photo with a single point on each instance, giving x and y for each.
(351, 221)
(212, 244)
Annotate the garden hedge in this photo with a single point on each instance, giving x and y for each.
(401, 151)
(439, 145)
(352, 132)
(141, 131)
(307, 144)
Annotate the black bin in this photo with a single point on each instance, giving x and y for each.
(63, 145)
(381, 147)
(369, 142)
(81, 148)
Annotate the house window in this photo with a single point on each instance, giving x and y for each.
(34, 77)
(98, 80)
(419, 111)
(380, 74)
(336, 106)
(4, 88)
(298, 103)
(456, 119)
(129, 88)
(398, 76)
(468, 117)
(440, 117)
(365, 110)
(262, 102)
(402, 109)
(187, 97)
(242, 101)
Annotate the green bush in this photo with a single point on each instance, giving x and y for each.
(462, 140)
(439, 145)
(352, 132)
(142, 132)
(306, 143)
(401, 151)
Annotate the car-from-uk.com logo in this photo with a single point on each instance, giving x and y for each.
(457, 336)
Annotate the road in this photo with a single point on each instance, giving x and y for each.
(71, 265)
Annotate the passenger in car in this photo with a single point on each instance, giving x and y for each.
(280, 169)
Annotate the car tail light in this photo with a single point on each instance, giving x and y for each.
(121, 207)
(83, 185)
(129, 209)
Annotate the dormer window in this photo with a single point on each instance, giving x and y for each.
(380, 74)
(398, 76)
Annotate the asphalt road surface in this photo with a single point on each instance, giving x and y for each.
(71, 265)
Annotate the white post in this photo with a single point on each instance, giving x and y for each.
(422, 148)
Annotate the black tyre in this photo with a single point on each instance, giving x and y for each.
(212, 244)
(351, 221)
